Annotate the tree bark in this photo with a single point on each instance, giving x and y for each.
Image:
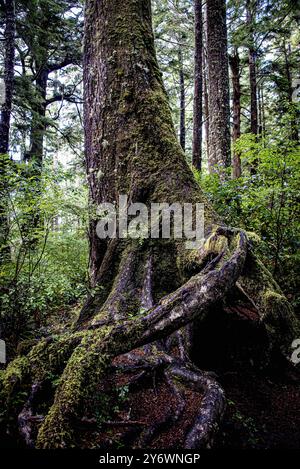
(6, 108)
(294, 134)
(234, 61)
(129, 88)
(198, 88)
(38, 126)
(9, 62)
(218, 86)
(205, 92)
(182, 101)
(250, 11)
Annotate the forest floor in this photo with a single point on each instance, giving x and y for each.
(262, 413)
(263, 410)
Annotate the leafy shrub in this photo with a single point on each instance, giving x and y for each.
(266, 202)
(46, 268)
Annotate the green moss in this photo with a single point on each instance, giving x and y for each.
(13, 389)
(81, 375)
(50, 356)
(254, 239)
(25, 346)
(215, 244)
(14, 375)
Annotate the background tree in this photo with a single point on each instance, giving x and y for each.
(6, 95)
(174, 32)
(218, 86)
(7, 90)
(234, 61)
(198, 87)
(252, 53)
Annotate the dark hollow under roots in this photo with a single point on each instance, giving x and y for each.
(130, 378)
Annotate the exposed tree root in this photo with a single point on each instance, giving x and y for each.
(147, 336)
(203, 431)
(27, 420)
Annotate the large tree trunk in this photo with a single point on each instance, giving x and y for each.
(218, 86)
(234, 61)
(148, 295)
(197, 124)
(9, 62)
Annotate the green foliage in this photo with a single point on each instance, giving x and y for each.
(266, 202)
(47, 264)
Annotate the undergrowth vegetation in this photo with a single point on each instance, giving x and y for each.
(265, 202)
(45, 257)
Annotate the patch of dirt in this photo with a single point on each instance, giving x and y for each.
(149, 403)
(263, 413)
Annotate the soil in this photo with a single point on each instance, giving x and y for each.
(262, 413)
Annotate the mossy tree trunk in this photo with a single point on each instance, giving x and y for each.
(148, 295)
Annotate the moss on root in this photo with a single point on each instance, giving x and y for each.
(274, 310)
(78, 383)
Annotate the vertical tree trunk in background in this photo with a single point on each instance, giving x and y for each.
(182, 100)
(218, 86)
(206, 111)
(288, 74)
(260, 111)
(9, 59)
(38, 127)
(197, 124)
(234, 61)
(263, 115)
(205, 85)
(36, 152)
(250, 12)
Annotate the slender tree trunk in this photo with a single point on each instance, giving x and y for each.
(198, 88)
(234, 61)
(9, 59)
(250, 7)
(182, 127)
(205, 94)
(263, 114)
(35, 155)
(294, 124)
(218, 86)
(38, 126)
(260, 111)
